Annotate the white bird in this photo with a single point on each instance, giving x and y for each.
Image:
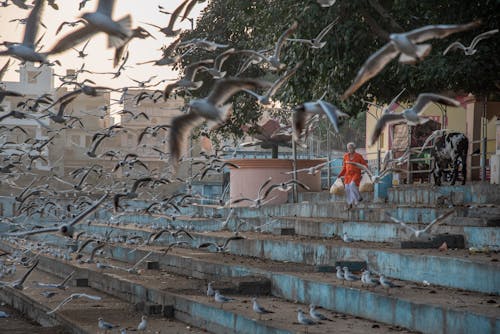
(317, 42)
(471, 49)
(221, 298)
(74, 296)
(61, 285)
(317, 107)
(143, 324)
(340, 274)
(407, 45)
(326, 3)
(313, 312)
(210, 290)
(266, 98)
(348, 276)
(99, 21)
(303, 319)
(187, 81)
(366, 279)
(25, 51)
(314, 169)
(387, 284)
(346, 238)
(105, 325)
(211, 108)
(419, 233)
(411, 115)
(259, 309)
(202, 43)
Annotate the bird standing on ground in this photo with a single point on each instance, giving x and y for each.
(221, 298)
(259, 309)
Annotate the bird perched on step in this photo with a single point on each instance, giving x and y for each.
(313, 312)
(304, 320)
(348, 276)
(366, 279)
(219, 298)
(259, 309)
(340, 274)
(143, 324)
(106, 326)
(387, 284)
(210, 290)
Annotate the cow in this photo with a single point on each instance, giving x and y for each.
(449, 149)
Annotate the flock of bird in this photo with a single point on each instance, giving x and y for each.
(215, 107)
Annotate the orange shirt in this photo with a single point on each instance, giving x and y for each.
(350, 171)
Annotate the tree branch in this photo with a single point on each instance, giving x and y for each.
(385, 14)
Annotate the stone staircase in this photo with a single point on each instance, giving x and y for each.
(290, 263)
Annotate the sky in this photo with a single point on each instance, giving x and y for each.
(100, 57)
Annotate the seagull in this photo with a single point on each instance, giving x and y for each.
(259, 309)
(326, 3)
(315, 43)
(202, 43)
(366, 279)
(348, 276)
(155, 235)
(412, 115)
(221, 247)
(471, 49)
(105, 325)
(64, 229)
(187, 81)
(99, 21)
(316, 315)
(303, 320)
(143, 324)
(221, 298)
(211, 108)
(210, 290)
(18, 284)
(285, 186)
(314, 169)
(387, 284)
(266, 98)
(260, 196)
(74, 296)
(347, 238)
(317, 107)
(169, 31)
(61, 285)
(25, 51)
(419, 233)
(407, 45)
(68, 23)
(340, 274)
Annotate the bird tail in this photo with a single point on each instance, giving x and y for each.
(115, 41)
(422, 51)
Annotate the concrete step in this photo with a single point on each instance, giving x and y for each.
(79, 316)
(476, 192)
(451, 311)
(406, 264)
(189, 301)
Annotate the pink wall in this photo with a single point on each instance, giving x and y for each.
(246, 180)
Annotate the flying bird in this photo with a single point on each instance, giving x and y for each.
(419, 233)
(99, 21)
(72, 297)
(211, 108)
(25, 51)
(317, 42)
(412, 115)
(471, 49)
(407, 46)
(221, 247)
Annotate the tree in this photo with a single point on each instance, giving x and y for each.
(363, 26)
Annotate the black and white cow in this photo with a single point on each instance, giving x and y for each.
(450, 149)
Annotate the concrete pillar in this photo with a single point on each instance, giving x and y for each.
(495, 159)
(473, 132)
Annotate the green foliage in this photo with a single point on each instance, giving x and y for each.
(246, 24)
